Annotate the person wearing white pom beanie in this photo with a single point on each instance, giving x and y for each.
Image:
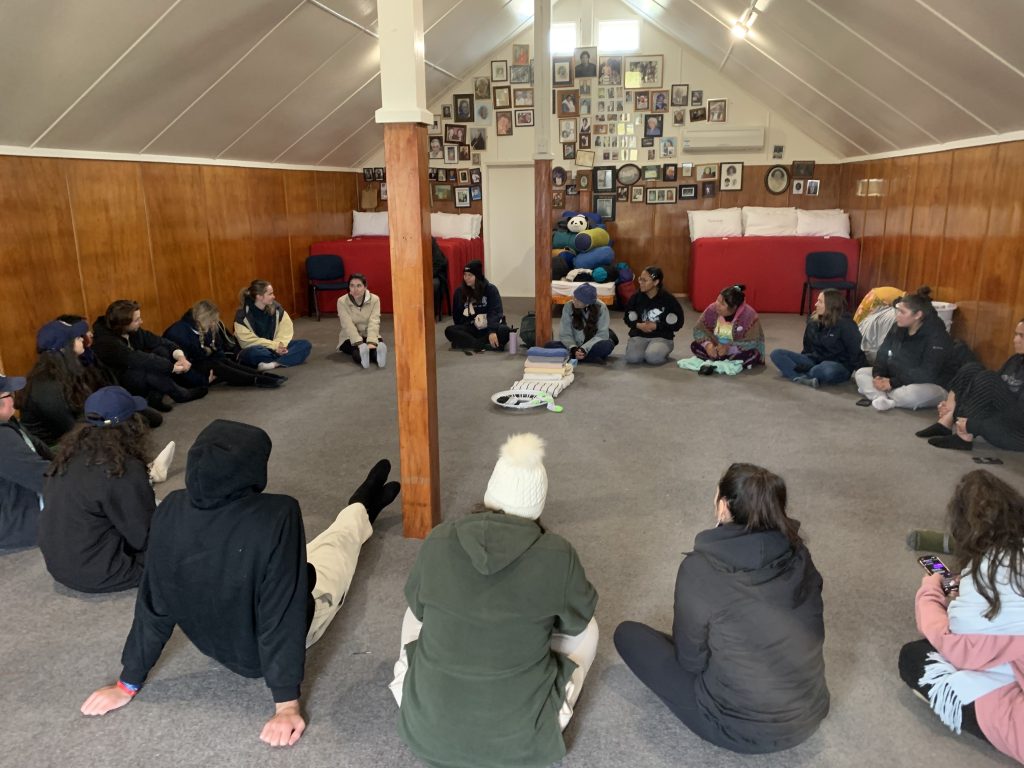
(500, 630)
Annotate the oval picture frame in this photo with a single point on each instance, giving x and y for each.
(776, 179)
(583, 179)
(628, 174)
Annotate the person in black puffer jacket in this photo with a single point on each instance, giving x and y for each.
(912, 367)
(743, 667)
(831, 351)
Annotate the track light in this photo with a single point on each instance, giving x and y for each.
(739, 30)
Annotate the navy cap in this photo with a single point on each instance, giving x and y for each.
(586, 294)
(11, 383)
(57, 334)
(110, 406)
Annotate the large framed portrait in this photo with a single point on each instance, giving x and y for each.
(604, 178)
(462, 103)
(776, 180)
(499, 71)
(731, 178)
(604, 206)
(644, 71)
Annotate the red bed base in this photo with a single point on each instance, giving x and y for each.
(772, 268)
(371, 256)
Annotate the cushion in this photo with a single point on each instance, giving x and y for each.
(465, 226)
(721, 222)
(830, 223)
(369, 224)
(769, 222)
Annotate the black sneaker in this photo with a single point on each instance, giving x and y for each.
(706, 370)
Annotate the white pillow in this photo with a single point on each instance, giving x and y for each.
(769, 222)
(462, 225)
(369, 224)
(830, 223)
(721, 222)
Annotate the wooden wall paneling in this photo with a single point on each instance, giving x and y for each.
(671, 230)
(931, 192)
(38, 254)
(232, 256)
(853, 204)
(872, 238)
(1000, 267)
(268, 221)
(972, 195)
(633, 240)
(336, 199)
(829, 188)
(109, 212)
(176, 211)
(300, 198)
(899, 203)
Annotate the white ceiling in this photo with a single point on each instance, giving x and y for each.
(296, 81)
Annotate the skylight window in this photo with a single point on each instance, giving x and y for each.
(563, 39)
(620, 36)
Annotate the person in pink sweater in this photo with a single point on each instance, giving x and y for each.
(970, 665)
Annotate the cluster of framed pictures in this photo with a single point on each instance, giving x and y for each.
(445, 179)
(780, 178)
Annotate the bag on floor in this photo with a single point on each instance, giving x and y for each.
(528, 329)
(624, 292)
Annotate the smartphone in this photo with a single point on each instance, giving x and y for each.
(933, 564)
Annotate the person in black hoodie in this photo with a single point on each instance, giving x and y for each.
(653, 316)
(478, 320)
(912, 366)
(982, 403)
(23, 463)
(98, 500)
(743, 667)
(145, 364)
(201, 335)
(230, 566)
(831, 351)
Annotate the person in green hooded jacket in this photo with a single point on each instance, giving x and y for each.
(500, 630)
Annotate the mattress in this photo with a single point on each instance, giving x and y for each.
(561, 291)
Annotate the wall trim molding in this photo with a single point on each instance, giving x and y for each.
(977, 141)
(76, 154)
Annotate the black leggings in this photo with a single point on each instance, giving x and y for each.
(912, 660)
(466, 336)
(991, 409)
(353, 349)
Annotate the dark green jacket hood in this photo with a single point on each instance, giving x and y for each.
(494, 540)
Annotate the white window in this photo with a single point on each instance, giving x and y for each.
(563, 39)
(620, 36)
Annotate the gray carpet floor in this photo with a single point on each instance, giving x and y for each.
(632, 463)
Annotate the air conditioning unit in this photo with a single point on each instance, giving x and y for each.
(723, 139)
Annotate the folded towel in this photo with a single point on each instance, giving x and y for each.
(553, 388)
(556, 352)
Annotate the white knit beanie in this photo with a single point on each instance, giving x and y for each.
(519, 484)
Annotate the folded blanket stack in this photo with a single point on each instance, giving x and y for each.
(546, 370)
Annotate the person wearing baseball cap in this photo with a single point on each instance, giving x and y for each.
(23, 463)
(94, 527)
(500, 630)
(584, 327)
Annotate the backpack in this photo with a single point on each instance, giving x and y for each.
(624, 292)
(528, 329)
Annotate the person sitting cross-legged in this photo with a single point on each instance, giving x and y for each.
(230, 566)
(265, 331)
(831, 350)
(23, 464)
(583, 329)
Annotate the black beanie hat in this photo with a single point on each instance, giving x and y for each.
(476, 267)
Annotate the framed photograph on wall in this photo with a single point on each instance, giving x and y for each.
(669, 171)
(707, 172)
(524, 118)
(484, 112)
(716, 110)
(520, 53)
(520, 74)
(476, 193)
(478, 138)
(585, 159)
(583, 180)
(697, 98)
(638, 195)
(659, 101)
(567, 102)
(610, 70)
(803, 169)
(661, 195)
(442, 192)
(463, 175)
(707, 189)
(454, 134)
(558, 199)
(465, 153)
(644, 71)
(503, 123)
(568, 151)
(813, 185)
(462, 197)
(585, 62)
(798, 187)
(687, 191)
(654, 126)
(776, 179)
(435, 149)
(503, 96)
(698, 114)
(435, 127)
(462, 103)
(604, 206)
(604, 178)
(561, 71)
(451, 154)
(442, 174)
(680, 94)
(731, 177)
(522, 97)
(446, 111)
(499, 71)
(482, 87)
(566, 130)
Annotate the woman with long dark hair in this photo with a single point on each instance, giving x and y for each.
(971, 661)
(359, 317)
(477, 314)
(743, 667)
(500, 633)
(982, 403)
(265, 331)
(910, 369)
(213, 353)
(729, 329)
(583, 329)
(97, 499)
(653, 316)
(831, 350)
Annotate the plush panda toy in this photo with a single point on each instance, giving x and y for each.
(577, 223)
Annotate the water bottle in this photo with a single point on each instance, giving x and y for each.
(513, 342)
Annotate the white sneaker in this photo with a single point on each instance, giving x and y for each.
(158, 469)
(364, 355)
(382, 354)
(883, 404)
(267, 366)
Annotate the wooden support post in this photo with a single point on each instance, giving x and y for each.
(405, 152)
(542, 248)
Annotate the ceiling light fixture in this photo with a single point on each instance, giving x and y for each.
(741, 28)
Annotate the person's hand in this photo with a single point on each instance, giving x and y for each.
(723, 350)
(934, 581)
(881, 383)
(106, 699)
(648, 327)
(961, 429)
(282, 349)
(493, 338)
(945, 409)
(371, 345)
(285, 727)
(181, 366)
(580, 353)
(710, 348)
(212, 377)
